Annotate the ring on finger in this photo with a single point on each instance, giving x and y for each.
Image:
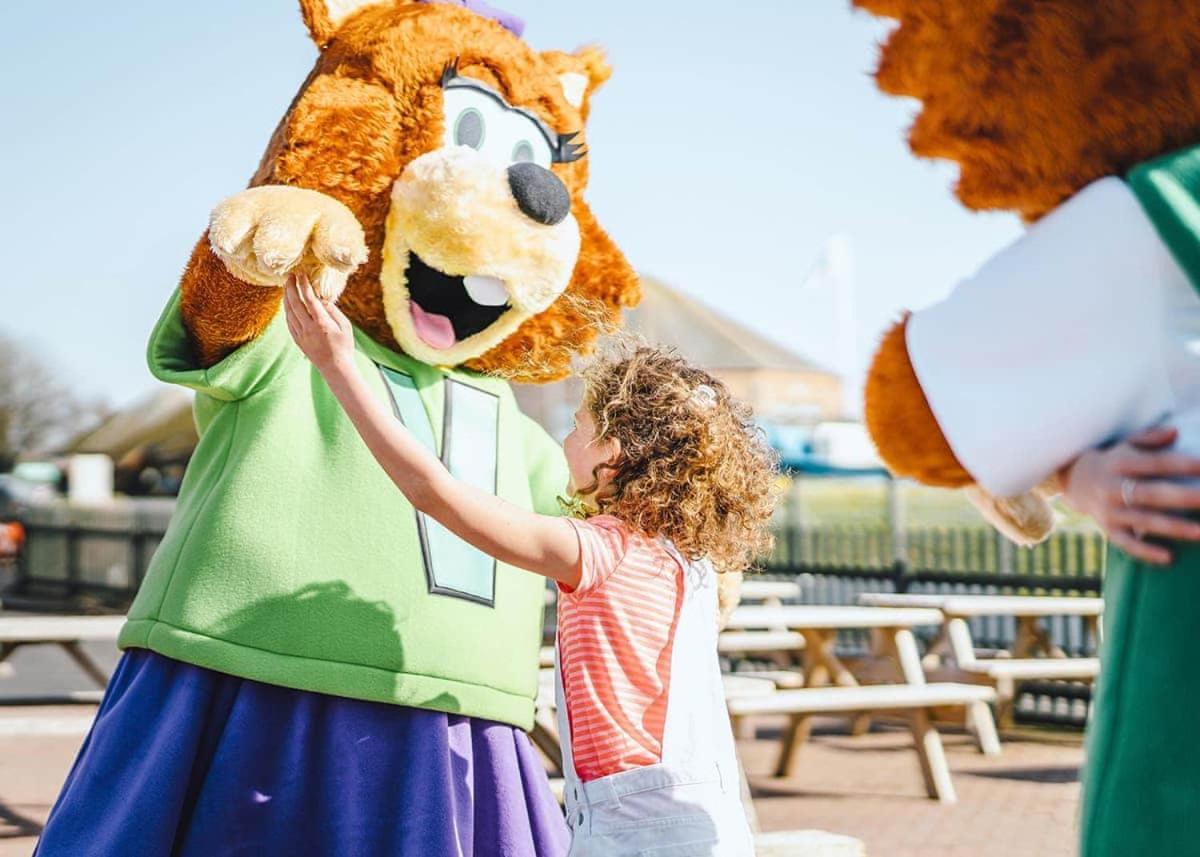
(1128, 486)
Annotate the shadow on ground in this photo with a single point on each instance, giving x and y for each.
(14, 825)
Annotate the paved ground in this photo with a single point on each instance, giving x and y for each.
(1021, 804)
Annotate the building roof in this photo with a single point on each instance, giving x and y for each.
(706, 336)
(162, 418)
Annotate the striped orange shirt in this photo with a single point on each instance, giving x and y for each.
(615, 633)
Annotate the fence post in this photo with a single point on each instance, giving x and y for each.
(794, 505)
(896, 523)
(1005, 555)
(74, 572)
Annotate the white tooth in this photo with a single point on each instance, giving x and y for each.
(488, 291)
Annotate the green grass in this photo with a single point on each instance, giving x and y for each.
(830, 502)
(844, 523)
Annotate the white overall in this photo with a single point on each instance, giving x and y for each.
(689, 804)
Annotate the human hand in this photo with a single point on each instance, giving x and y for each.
(1131, 491)
(319, 328)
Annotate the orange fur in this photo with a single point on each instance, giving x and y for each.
(1033, 99)
(900, 421)
(371, 105)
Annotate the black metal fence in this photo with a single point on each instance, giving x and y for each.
(99, 565)
(86, 559)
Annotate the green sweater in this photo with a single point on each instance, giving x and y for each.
(292, 559)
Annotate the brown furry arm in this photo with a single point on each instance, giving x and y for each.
(900, 421)
(220, 312)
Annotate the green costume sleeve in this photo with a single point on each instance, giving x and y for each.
(243, 372)
(547, 468)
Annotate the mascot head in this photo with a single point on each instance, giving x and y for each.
(1034, 99)
(462, 152)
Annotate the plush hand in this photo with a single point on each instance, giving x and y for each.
(911, 443)
(265, 233)
(1025, 519)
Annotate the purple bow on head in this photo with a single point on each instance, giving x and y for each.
(507, 20)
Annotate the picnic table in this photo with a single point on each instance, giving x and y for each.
(771, 593)
(1033, 655)
(68, 633)
(828, 686)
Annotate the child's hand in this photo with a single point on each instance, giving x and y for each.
(319, 328)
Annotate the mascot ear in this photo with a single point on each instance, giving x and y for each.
(324, 17)
(580, 74)
(883, 8)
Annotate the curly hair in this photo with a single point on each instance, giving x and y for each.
(693, 466)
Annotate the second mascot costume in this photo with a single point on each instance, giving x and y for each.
(310, 667)
(1084, 117)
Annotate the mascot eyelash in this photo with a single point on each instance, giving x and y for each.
(564, 149)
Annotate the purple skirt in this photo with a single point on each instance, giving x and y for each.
(189, 762)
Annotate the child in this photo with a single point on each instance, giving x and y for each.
(676, 481)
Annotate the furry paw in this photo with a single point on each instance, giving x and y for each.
(265, 233)
(1025, 519)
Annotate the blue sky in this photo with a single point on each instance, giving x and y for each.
(732, 141)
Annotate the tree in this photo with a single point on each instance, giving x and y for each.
(37, 411)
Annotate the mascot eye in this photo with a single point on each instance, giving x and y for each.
(481, 119)
(522, 152)
(469, 129)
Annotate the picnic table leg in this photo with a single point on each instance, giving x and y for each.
(816, 671)
(959, 634)
(820, 656)
(933, 758)
(1006, 701)
(821, 667)
(794, 739)
(6, 649)
(939, 647)
(861, 724)
(1042, 642)
(908, 658)
(85, 662)
(981, 724)
(546, 740)
(880, 648)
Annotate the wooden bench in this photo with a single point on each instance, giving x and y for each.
(915, 699)
(68, 633)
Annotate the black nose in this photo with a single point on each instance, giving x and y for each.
(539, 193)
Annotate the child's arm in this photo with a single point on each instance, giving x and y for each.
(538, 543)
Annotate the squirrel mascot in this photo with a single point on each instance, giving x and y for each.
(310, 667)
(1083, 117)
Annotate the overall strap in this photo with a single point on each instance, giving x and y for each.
(1168, 189)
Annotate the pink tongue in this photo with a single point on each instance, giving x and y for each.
(435, 330)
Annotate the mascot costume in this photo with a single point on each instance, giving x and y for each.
(1082, 116)
(310, 667)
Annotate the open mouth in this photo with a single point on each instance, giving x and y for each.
(447, 309)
